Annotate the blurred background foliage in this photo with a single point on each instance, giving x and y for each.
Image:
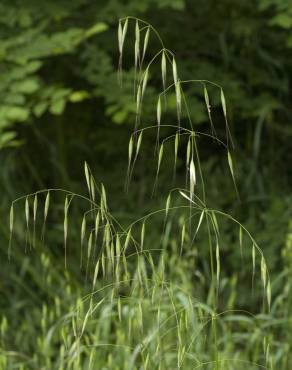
(60, 104)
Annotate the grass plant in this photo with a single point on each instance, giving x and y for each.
(163, 304)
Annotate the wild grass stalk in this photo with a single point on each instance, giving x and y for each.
(150, 305)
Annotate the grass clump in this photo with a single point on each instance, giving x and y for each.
(163, 304)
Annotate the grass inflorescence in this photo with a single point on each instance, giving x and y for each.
(149, 305)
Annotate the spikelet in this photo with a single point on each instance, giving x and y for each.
(96, 271)
(217, 262)
(144, 82)
(142, 236)
(11, 219)
(176, 142)
(127, 241)
(96, 226)
(269, 294)
(82, 236)
(200, 222)
(47, 205)
(230, 163)
(231, 167)
(87, 176)
(130, 150)
(223, 103)
(167, 204)
(103, 198)
(66, 207)
(138, 100)
(183, 233)
(174, 71)
(160, 156)
(139, 142)
(45, 215)
(89, 249)
(92, 188)
(192, 178)
(188, 156)
(27, 212)
(146, 40)
(263, 272)
(178, 99)
(185, 196)
(207, 100)
(158, 111)
(120, 37)
(137, 44)
(89, 246)
(35, 207)
(11, 224)
(119, 309)
(163, 69)
(215, 222)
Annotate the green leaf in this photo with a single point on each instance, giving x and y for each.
(40, 108)
(17, 114)
(78, 96)
(57, 107)
(27, 86)
(120, 116)
(8, 139)
(97, 28)
(283, 20)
